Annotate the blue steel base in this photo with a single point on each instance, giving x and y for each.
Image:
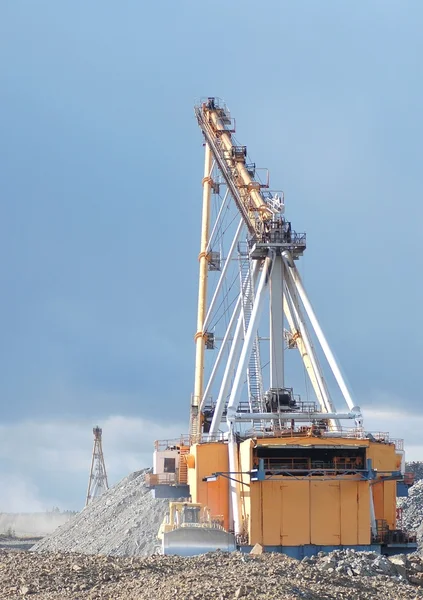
(170, 491)
(300, 552)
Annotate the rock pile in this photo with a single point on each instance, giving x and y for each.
(415, 467)
(369, 564)
(123, 521)
(412, 507)
(213, 576)
(352, 563)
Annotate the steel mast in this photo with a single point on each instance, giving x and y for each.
(97, 483)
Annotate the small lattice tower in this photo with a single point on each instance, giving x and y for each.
(97, 483)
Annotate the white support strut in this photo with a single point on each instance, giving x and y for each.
(299, 340)
(319, 333)
(230, 367)
(234, 496)
(276, 325)
(251, 333)
(317, 379)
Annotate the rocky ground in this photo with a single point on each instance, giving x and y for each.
(214, 576)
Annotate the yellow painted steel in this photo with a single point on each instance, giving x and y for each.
(349, 492)
(171, 521)
(325, 526)
(254, 206)
(320, 510)
(389, 509)
(206, 459)
(363, 512)
(378, 490)
(295, 500)
(295, 513)
(384, 458)
(195, 427)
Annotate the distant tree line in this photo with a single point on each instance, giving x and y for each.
(57, 510)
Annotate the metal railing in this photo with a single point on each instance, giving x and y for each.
(291, 239)
(152, 479)
(385, 535)
(344, 432)
(174, 444)
(309, 464)
(399, 444)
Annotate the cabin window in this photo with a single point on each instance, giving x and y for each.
(169, 465)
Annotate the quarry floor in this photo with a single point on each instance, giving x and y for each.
(213, 576)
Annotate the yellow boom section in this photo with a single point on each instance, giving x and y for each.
(216, 123)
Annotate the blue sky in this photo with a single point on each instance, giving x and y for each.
(100, 173)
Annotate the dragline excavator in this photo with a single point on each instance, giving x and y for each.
(262, 464)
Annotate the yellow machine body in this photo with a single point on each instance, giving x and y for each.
(295, 509)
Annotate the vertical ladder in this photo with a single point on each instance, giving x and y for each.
(254, 375)
(183, 467)
(195, 431)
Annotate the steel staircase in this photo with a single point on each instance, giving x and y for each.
(254, 375)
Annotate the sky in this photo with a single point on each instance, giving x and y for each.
(101, 162)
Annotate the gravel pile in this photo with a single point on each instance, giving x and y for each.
(213, 576)
(124, 521)
(415, 467)
(412, 507)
